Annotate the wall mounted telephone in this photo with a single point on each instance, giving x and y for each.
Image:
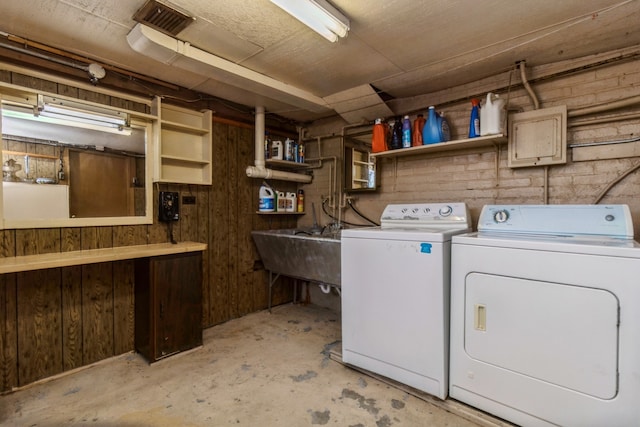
(169, 206)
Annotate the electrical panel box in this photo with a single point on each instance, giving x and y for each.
(168, 206)
(538, 137)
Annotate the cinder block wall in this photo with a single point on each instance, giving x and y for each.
(481, 176)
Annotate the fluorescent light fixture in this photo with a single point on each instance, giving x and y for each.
(69, 117)
(318, 15)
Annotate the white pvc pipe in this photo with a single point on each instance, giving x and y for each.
(256, 172)
(259, 138)
(259, 170)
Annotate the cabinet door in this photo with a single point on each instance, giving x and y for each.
(168, 302)
(177, 283)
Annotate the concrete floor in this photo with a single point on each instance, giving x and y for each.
(260, 370)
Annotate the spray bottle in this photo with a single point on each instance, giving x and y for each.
(474, 121)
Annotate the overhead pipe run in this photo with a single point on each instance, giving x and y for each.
(259, 170)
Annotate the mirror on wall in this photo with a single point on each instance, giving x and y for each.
(360, 173)
(65, 163)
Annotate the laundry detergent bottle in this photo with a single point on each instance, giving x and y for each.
(379, 138)
(266, 201)
(474, 120)
(436, 129)
(418, 125)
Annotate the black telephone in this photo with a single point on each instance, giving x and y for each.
(169, 206)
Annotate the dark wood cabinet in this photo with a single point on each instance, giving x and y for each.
(168, 304)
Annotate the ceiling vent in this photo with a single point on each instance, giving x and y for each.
(162, 18)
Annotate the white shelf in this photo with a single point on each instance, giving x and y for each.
(460, 144)
(182, 145)
(286, 164)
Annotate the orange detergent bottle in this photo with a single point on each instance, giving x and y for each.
(418, 125)
(379, 138)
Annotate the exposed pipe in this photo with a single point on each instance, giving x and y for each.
(259, 170)
(259, 137)
(255, 172)
(45, 57)
(627, 102)
(527, 86)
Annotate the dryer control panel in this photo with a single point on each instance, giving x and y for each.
(565, 220)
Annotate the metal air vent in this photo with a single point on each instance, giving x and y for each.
(162, 18)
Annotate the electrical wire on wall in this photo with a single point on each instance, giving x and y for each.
(350, 202)
(341, 221)
(615, 182)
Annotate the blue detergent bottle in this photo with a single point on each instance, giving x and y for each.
(474, 121)
(436, 129)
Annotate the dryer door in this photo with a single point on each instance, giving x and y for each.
(560, 334)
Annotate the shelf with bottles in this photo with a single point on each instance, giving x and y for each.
(279, 213)
(458, 144)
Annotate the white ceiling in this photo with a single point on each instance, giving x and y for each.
(404, 48)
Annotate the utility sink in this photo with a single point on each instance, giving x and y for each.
(301, 253)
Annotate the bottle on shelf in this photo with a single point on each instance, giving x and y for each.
(276, 153)
(267, 146)
(396, 135)
(406, 132)
(418, 125)
(436, 129)
(266, 202)
(492, 115)
(474, 121)
(288, 149)
(379, 137)
(300, 201)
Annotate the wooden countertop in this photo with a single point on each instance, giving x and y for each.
(91, 256)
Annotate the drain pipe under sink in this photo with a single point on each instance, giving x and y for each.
(259, 170)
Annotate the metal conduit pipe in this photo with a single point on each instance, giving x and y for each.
(527, 86)
(626, 102)
(45, 57)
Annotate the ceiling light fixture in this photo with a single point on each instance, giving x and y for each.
(55, 113)
(318, 15)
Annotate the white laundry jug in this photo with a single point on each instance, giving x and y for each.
(492, 115)
(266, 199)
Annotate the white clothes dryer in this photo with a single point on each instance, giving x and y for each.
(545, 315)
(395, 293)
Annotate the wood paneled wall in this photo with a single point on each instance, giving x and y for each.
(55, 320)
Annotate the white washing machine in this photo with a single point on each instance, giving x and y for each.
(395, 293)
(545, 316)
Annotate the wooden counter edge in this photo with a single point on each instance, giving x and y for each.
(91, 256)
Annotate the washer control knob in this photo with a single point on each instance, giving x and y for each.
(501, 216)
(446, 210)
(609, 218)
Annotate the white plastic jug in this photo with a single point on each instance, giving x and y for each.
(281, 201)
(276, 153)
(492, 115)
(266, 200)
(291, 202)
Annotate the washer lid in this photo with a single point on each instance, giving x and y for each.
(420, 234)
(560, 220)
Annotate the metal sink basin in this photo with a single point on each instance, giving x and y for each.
(301, 254)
